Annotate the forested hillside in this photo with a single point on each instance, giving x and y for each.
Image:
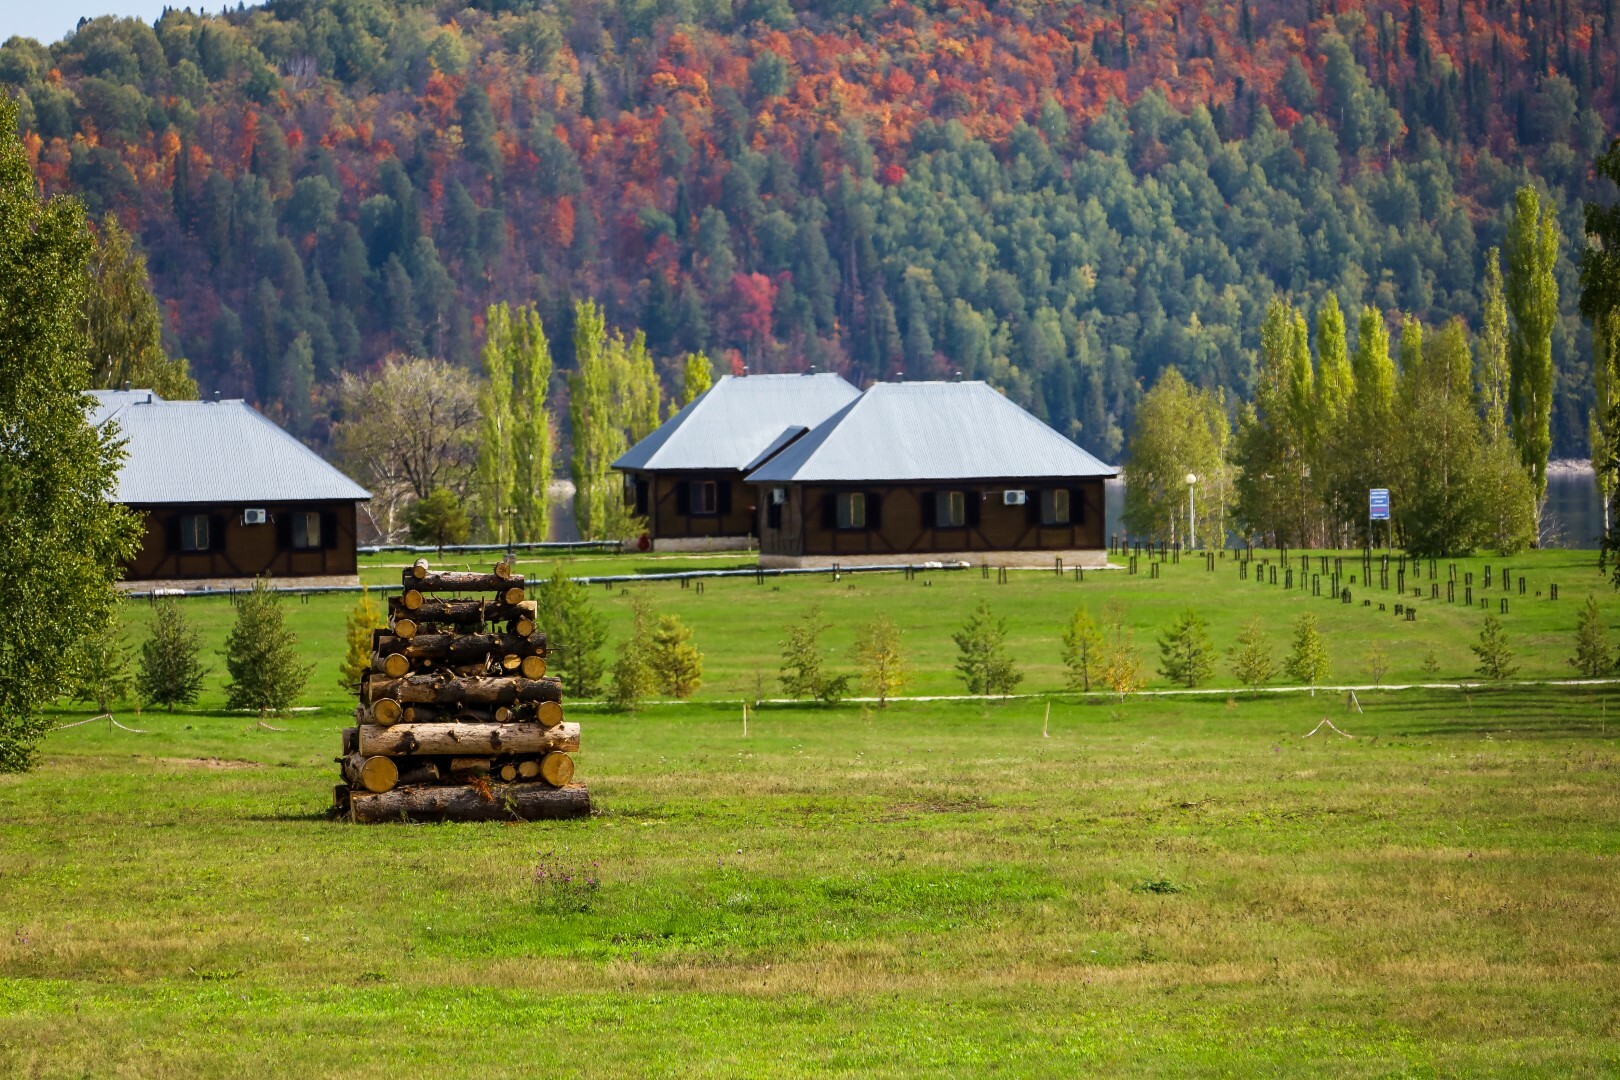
(1060, 198)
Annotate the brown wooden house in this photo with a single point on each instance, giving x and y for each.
(686, 478)
(931, 471)
(226, 494)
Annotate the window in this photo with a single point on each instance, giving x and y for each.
(704, 499)
(1055, 506)
(950, 510)
(194, 532)
(852, 510)
(306, 531)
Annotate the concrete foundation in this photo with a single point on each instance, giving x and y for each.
(1090, 558)
(703, 543)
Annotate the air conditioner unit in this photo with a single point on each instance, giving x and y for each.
(254, 517)
(778, 496)
(1013, 498)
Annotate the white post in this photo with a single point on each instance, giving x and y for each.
(1192, 514)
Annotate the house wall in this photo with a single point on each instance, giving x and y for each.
(239, 550)
(665, 520)
(901, 529)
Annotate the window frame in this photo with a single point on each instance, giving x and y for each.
(1049, 508)
(189, 542)
(845, 517)
(697, 488)
(305, 518)
(950, 510)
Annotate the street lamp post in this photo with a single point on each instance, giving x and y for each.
(1192, 513)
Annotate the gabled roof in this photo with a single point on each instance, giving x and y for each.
(212, 452)
(929, 431)
(737, 422)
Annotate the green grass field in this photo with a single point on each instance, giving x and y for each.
(1177, 885)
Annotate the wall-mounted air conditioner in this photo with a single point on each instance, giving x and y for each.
(254, 517)
(1013, 498)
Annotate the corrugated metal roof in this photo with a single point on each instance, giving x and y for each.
(213, 452)
(734, 422)
(929, 431)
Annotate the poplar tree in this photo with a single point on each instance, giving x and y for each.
(1368, 444)
(1493, 351)
(1600, 305)
(697, 375)
(1179, 429)
(598, 438)
(494, 470)
(639, 393)
(1336, 386)
(1443, 509)
(1510, 498)
(1532, 297)
(1274, 436)
(515, 432)
(64, 536)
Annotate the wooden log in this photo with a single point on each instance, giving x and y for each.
(413, 599)
(557, 768)
(461, 648)
(470, 690)
(528, 768)
(385, 712)
(392, 665)
(405, 628)
(509, 772)
(517, 802)
(461, 612)
(340, 801)
(351, 740)
(418, 569)
(533, 667)
(503, 570)
(373, 773)
(459, 581)
(463, 767)
(466, 740)
(548, 714)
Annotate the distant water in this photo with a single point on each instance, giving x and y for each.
(1574, 513)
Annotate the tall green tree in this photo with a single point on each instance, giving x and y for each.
(123, 326)
(1186, 655)
(515, 432)
(1369, 442)
(1277, 433)
(597, 418)
(984, 663)
(1599, 263)
(171, 669)
(697, 375)
(64, 537)
(563, 609)
(493, 476)
(1494, 367)
(1443, 509)
(1532, 297)
(1336, 384)
(261, 654)
(1179, 430)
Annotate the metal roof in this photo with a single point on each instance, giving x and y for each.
(929, 431)
(737, 421)
(212, 452)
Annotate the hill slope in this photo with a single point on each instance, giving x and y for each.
(1059, 198)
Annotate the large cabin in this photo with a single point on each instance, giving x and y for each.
(226, 495)
(686, 480)
(931, 471)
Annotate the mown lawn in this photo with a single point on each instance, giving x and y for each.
(1165, 885)
(1177, 885)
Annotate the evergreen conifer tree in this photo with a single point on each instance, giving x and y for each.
(1495, 657)
(364, 617)
(1308, 659)
(563, 609)
(1593, 656)
(984, 664)
(803, 673)
(1082, 650)
(1186, 655)
(633, 679)
(172, 671)
(1254, 664)
(675, 663)
(261, 655)
(101, 672)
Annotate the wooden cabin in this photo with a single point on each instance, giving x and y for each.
(686, 478)
(931, 471)
(226, 494)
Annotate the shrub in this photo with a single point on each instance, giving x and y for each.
(802, 674)
(172, 671)
(101, 668)
(261, 655)
(1593, 657)
(363, 618)
(676, 667)
(1082, 650)
(883, 665)
(985, 666)
(632, 671)
(1495, 658)
(439, 519)
(1308, 660)
(1185, 653)
(1254, 663)
(575, 633)
(1123, 670)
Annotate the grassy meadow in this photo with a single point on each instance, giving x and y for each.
(1182, 885)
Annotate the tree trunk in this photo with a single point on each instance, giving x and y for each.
(459, 580)
(460, 740)
(462, 648)
(516, 802)
(413, 599)
(548, 713)
(420, 570)
(453, 690)
(461, 612)
(351, 740)
(463, 767)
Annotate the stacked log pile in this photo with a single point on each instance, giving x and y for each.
(458, 720)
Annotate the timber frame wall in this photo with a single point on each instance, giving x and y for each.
(664, 499)
(799, 526)
(238, 550)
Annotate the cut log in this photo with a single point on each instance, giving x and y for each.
(463, 767)
(524, 627)
(517, 802)
(451, 690)
(533, 667)
(557, 769)
(548, 714)
(509, 772)
(503, 570)
(413, 599)
(418, 569)
(393, 665)
(340, 801)
(461, 648)
(511, 662)
(405, 628)
(385, 712)
(466, 740)
(351, 740)
(529, 768)
(459, 581)
(461, 612)
(371, 773)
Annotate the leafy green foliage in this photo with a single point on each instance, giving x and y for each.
(360, 622)
(803, 672)
(674, 662)
(1307, 662)
(1254, 663)
(1179, 430)
(267, 672)
(1532, 298)
(63, 538)
(984, 663)
(123, 325)
(633, 677)
(515, 428)
(1187, 656)
(576, 633)
(1593, 657)
(1082, 650)
(439, 519)
(880, 656)
(100, 670)
(172, 671)
(1495, 657)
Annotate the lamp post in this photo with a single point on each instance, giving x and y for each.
(1192, 514)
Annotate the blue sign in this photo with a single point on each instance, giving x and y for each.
(1378, 504)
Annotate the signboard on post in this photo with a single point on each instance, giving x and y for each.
(1378, 504)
